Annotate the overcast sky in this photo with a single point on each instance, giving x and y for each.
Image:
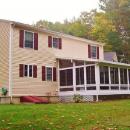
(30, 11)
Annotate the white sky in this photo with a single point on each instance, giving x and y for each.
(30, 11)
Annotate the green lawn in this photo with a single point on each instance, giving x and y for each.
(83, 116)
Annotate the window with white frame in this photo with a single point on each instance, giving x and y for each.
(55, 42)
(29, 39)
(49, 73)
(93, 52)
(28, 70)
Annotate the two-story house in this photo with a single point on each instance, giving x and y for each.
(40, 62)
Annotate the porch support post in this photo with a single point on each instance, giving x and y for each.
(85, 81)
(74, 77)
(97, 79)
(109, 73)
(128, 78)
(119, 78)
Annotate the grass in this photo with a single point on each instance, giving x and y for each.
(112, 115)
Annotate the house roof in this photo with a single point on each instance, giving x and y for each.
(109, 56)
(18, 24)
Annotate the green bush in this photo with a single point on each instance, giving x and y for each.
(78, 98)
(4, 91)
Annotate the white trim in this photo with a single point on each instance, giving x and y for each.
(81, 66)
(97, 79)
(109, 74)
(119, 78)
(85, 77)
(10, 60)
(74, 77)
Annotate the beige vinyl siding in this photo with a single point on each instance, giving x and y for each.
(76, 50)
(43, 57)
(4, 54)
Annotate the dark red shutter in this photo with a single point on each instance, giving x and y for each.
(21, 38)
(54, 73)
(49, 41)
(89, 51)
(21, 70)
(60, 43)
(43, 73)
(34, 71)
(97, 52)
(35, 41)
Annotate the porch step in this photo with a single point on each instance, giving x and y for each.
(33, 99)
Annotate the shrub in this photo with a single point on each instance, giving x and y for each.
(4, 91)
(78, 98)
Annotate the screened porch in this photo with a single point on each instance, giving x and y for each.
(93, 78)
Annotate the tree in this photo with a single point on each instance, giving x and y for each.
(118, 12)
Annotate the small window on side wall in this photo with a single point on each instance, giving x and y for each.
(28, 70)
(48, 73)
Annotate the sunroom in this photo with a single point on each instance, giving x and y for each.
(93, 77)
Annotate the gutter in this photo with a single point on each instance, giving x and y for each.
(10, 60)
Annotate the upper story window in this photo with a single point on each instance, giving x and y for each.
(54, 42)
(93, 52)
(29, 39)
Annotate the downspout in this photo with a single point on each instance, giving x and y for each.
(10, 61)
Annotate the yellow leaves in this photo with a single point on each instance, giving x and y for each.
(62, 116)
(123, 3)
(80, 119)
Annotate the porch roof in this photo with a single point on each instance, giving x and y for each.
(110, 63)
(100, 62)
